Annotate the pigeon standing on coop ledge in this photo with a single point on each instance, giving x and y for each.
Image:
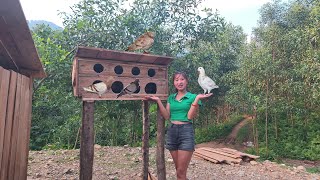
(100, 87)
(144, 42)
(130, 88)
(206, 83)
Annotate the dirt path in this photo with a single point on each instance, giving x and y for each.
(233, 135)
(229, 141)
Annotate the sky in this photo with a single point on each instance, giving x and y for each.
(239, 12)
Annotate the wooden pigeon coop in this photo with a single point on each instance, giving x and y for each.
(94, 65)
(117, 69)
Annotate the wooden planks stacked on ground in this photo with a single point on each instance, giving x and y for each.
(223, 155)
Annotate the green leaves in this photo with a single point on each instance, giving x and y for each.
(278, 76)
(196, 40)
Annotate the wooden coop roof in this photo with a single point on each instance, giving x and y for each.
(105, 54)
(17, 49)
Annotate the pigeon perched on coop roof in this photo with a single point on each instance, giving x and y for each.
(144, 42)
(206, 83)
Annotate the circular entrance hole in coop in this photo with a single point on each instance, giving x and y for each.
(137, 91)
(96, 82)
(135, 71)
(98, 68)
(151, 72)
(116, 87)
(118, 69)
(151, 88)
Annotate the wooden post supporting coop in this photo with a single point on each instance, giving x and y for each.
(87, 140)
(145, 139)
(161, 165)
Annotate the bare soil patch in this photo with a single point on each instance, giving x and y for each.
(126, 163)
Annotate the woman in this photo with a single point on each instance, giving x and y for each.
(181, 108)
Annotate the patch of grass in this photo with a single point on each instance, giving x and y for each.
(313, 169)
(54, 152)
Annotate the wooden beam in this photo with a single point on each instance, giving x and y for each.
(95, 97)
(8, 126)
(160, 159)
(8, 46)
(220, 152)
(145, 139)
(22, 129)
(6, 58)
(239, 153)
(25, 130)
(15, 127)
(205, 157)
(4, 91)
(124, 56)
(219, 157)
(87, 140)
(16, 36)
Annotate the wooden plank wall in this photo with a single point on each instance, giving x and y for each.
(83, 75)
(15, 123)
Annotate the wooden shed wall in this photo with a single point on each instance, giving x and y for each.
(15, 123)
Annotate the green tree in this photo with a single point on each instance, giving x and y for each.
(181, 32)
(278, 75)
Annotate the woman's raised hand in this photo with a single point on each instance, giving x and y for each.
(152, 98)
(202, 96)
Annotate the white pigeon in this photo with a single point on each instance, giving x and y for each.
(100, 87)
(130, 88)
(206, 83)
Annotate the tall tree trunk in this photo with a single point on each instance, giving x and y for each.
(276, 125)
(255, 130)
(132, 128)
(266, 117)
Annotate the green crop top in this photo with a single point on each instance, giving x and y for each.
(179, 109)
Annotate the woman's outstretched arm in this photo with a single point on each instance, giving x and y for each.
(165, 111)
(195, 106)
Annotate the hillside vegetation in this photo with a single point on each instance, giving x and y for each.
(274, 77)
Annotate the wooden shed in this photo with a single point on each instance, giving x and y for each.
(94, 65)
(19, 64)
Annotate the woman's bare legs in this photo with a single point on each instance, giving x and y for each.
(181, 161)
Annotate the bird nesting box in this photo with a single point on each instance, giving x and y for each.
(117, 69)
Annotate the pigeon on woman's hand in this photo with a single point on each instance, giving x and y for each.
(130, 88)
(206, 83)
(144, 42)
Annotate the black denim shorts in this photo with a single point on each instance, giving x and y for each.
(180, 137)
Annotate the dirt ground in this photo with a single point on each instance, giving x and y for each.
(126, 163)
